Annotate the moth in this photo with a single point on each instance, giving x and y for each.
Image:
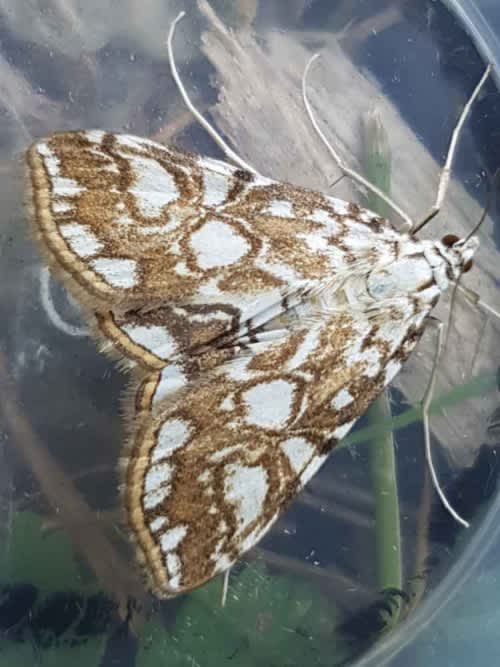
(258, 319)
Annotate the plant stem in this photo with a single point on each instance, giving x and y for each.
(377, 168)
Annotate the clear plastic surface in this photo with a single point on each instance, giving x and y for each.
(365, 567)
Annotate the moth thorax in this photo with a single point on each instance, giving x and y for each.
(402, 277)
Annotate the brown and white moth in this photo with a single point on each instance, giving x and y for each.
(259, 319)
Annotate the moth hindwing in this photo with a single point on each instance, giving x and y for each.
(260, 319)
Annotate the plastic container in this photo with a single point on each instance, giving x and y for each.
(366, 567)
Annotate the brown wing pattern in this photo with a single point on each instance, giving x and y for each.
(134, 223)
(262, 319)
(210, 472)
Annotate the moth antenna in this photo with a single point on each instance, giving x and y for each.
(225, 586)
(492, 183)
(346, 171)
(444, 178)
(470, 294)
(228, 151)
(457, 286)
(50, 310)
(425, 417)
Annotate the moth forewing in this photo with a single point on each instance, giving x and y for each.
(192, 246)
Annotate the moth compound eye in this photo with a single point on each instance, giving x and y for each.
(468, 266)
(449, 239)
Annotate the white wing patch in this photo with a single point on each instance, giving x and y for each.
(173, 434)
(119, 273)
(155, 339)
(341, 431)
(157, 524)
(324, 217)
(153, 188)
(157, 476)
(62, 186)
(342, 399)
(216, 187)
(173, 563)
(171, 380)
(281, 208)
(299, 452)
(246, 489)
(80, 239)
(155, 497)
(216, 233)
(171, 538)
(60, 206)
(269, 404)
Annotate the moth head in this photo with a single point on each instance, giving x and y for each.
(458, 254)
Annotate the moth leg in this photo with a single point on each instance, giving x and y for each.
(346, 171)
(444, 178)
(475, 299)
(228, 151)
(225, 586)
(426, 402)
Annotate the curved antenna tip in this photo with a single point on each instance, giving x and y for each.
(173, 25)
(310, 62)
